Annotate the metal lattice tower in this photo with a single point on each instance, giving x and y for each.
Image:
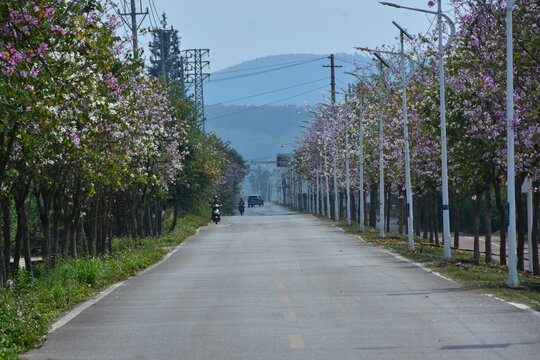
(194, 74)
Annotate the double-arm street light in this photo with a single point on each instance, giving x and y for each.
(442, 48)
(404, 79)
(361, 88)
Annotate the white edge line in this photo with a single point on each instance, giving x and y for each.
(71, 314)
(424, 267)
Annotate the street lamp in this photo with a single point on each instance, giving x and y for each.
(381, 143)
(510, 176)
(361, 147)
(347, 167)
(446, 209)
(408, 190)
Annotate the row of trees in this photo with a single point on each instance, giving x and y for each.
(476, 122)
(98, 146)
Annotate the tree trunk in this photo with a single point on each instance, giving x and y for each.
(365, 209)
(455, 219)
(92, 227)
(109, 234)
(521, 222)
(373, 207)
(534, 235)
(502, 224)
(6, 231)
(431, 217)
(477, 226)
(388, 207)
(425, 217)
(487, 222)
(400, 223)
(82, 239)
(159, 216)
(55, 231)
(43, 201)
(3, 272)
(435, 218)
(26, 242)
(99, 235)
(22, 240)
(416, 213)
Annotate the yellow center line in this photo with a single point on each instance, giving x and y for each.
(284, 299)
(276, 274)
(297, 342)
(280, 285)
(290, 316)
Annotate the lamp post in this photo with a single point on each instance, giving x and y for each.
(510, 170)
(446, 209)
(381, 146)
(408, 189)
(328, 212)
(361, 149)
(347, 163)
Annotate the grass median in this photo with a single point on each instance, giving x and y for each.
(30, 303)
(462, 268)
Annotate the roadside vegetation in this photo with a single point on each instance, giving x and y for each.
(472, 275)
(365, 135)
(31, 301)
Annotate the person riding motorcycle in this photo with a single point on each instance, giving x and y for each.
(216, 209)
(241, 206)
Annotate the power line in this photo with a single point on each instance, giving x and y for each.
(345, 61)
(153, 6)
(265, 71)
(258, 67)
(271, 91)
(260, 106)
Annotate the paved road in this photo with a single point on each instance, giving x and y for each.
(277, 285)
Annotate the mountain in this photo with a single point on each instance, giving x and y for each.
(279, 79)
(259, 105)
(258, 133)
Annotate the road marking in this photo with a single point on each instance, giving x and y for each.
(284, 299)
(280, 285)
(290, 316)
(273, 263)
(276, 274)
(297, 342)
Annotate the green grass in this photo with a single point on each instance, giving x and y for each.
(28, 304)
(462, 268)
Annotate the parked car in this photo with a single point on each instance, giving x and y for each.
(255, 200)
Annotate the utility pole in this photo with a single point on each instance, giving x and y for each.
(133, 25)
(332, 66)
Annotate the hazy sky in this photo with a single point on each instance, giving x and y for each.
(240, 30)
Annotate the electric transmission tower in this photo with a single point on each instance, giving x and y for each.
(193, 66)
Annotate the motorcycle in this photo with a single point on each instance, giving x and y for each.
(241, 208)
(216, 213)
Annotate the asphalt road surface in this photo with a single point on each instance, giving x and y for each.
(273, 284)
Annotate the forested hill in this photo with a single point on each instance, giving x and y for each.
(257, 133)
(279, 79)
(259, 104)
